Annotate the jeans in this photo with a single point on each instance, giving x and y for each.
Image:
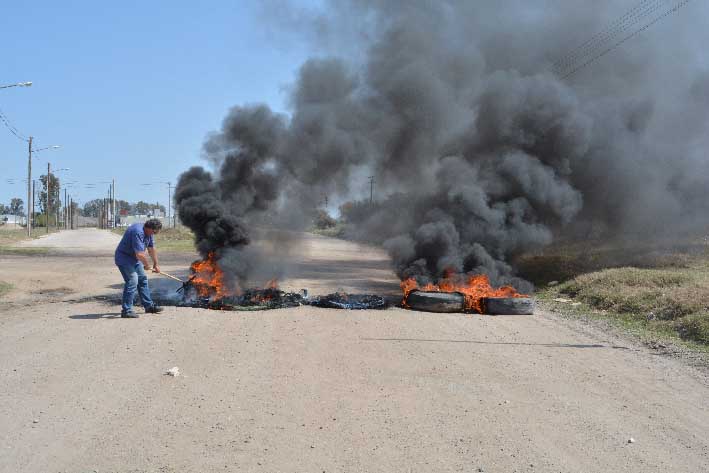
(135, 278)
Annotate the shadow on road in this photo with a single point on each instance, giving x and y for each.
(108, 315)
(480, 342)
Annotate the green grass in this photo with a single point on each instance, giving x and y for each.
(174, 240)
(5, 288)
(656, 292)
(9, 237)
(28, 251)
(338, 231)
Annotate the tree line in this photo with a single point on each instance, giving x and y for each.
(16, 207)
(93, 208)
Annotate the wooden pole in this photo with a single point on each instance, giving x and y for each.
(46, 210)
(29, 184)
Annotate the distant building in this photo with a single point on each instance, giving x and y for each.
(12, 220)
(127, 220)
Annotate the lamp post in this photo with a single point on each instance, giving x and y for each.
(19, 84)
(29, 180)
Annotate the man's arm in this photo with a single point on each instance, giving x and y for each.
(141, 257)
(154, 257)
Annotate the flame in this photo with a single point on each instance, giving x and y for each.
(208, 278)
(473, 287)
(272, 284)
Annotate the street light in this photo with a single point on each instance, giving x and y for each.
(29, 181)
(46, 147)
(19, 84)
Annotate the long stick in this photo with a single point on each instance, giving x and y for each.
(171, 277)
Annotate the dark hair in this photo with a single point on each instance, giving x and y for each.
(154, 224)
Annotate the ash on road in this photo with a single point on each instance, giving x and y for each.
(310, 389)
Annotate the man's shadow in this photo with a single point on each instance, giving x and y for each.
(107, 315)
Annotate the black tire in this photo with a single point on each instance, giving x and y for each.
(508, 305)
(436, 301)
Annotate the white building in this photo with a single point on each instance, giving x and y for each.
(12, 220)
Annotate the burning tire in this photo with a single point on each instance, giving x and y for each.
(508, 305)
(435, 301)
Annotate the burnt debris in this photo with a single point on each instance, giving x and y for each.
(341, 300)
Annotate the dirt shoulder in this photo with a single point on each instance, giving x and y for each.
(311, 389)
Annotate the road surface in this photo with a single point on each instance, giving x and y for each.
(316, 390)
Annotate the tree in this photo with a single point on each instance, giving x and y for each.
(4, 209)
(92, 208)
(16, 206)
(141, 208)
(323, 220)
(54, 201)
(122, 205)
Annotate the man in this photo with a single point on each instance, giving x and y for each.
(131, 261)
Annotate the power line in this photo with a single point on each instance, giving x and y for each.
(12, 128)
(602, 43)
(634, 15)
(608, 39)
(625, 38)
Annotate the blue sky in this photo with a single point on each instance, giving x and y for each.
(130, 89)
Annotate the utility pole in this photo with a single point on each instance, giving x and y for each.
(29, 185)
(48, 199)
(169, 204)
(34, 204)
(66, 214)
(113, 203)
(108, 206)
(371, 189)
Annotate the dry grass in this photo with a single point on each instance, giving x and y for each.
(338, 231)
(174, 240)
(9, 237)
(5, 288)
(661, 289)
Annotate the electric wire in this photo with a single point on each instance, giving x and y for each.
(626, 38)
(633, 16)
(610, 38)
(12, 128)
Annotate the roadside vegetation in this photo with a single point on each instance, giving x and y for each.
(175, 240)
(5, 288)
(658, 292)
(325, 225)
(8, 237)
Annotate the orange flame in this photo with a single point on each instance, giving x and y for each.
(272, 284)
(208, 278)
(473, 287)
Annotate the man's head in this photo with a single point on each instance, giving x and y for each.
(152, 226)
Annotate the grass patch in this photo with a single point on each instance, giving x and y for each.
(23, 251)
(177, 240)
(667, 303)
(564, 261)
(656, 291)
(5, 287)
(337, 231)
(8, 237)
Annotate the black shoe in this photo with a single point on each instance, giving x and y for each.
(154, 309)
(129, 315)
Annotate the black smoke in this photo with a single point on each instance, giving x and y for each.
(480, 152)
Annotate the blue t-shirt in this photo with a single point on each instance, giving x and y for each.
(134, 240)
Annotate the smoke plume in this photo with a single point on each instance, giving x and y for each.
(478, 151)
